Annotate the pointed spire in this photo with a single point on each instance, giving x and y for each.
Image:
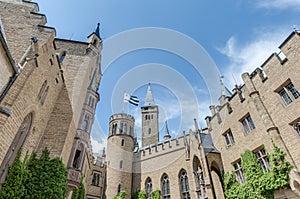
(198, 131)
(167, 134)
(225, 91)
(149, 101)
(97, 31)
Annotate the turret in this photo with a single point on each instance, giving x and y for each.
(120, 147)
(149, 120)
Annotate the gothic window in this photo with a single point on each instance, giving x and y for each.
(239, 172)
(148, 188)
(121, 164)
(288, 93)
(149, 131)
(122, 142)
(165, 187)
(14, 148)
(151, 117)
(248, 124)
(42, 90)
(184, 185)
(228, 138)
(43, 98)
(263, 160)
(119, 188)
(96, 179)
(199, 178)
(114, 129)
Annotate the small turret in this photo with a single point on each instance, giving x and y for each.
(167, 134)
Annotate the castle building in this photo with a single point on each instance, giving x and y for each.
(188, 166)
(48, 94)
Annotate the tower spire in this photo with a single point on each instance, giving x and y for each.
(167, 134)
(97, 31)
(149, 101)
(225, 91)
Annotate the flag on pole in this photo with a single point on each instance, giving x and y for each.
(131, 99)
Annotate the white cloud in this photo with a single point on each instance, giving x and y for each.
(279, 4)
(248, 56)
(97, 146)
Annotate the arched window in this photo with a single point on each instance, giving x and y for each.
(146, 117)
(165, 187)
(84, 125)
(184, 185)
(42, 90)
(44, 95)
(121, 128)
(119, 188)
(149, 131)
(148, 187)
(121, 164)
(122, 142)
(114, 129)
(199, 178)
(15, 146)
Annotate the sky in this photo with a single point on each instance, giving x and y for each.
(180, 47)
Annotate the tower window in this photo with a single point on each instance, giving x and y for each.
(151, 117)
(114, 129)
(121, 164)
(122, 142)
(149, 131)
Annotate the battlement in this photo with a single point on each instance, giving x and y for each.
(121, 116)
(161, 147)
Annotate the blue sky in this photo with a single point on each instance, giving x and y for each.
(237, 35)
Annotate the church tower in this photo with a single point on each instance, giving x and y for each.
(149, 120)
(119, 157)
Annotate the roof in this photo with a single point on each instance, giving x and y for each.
(208, 144)
(149, 101)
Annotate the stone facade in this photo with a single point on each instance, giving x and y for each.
(48, 94)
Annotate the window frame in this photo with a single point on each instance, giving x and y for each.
(263, 159)
(247, 123)
(238, 171)
(229, 138)
(288, 92)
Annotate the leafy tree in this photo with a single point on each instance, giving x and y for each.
(156, 194)
(14, 186)
(48, 177)
(140, 195)
(121, 195)
(258, 185)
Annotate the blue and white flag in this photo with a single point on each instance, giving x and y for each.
(131, 99)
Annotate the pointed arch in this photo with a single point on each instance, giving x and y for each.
(184, 184)
(148, 187)
(199, 178)
(16, 144)
(217, 179)
(165, 186)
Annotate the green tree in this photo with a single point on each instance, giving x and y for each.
(121, 195)
(14, 186)
(140, 195)
(156, 194)
(48, 177)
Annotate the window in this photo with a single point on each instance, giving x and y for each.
(165, 187)
(62, 57)
(124, 128)
(289, 93)
(263, 160)
(119, 188)
(184, 185)
(76, 161)
(85, 123)
(149, 131)
(96, 179)
(114, 129)
(248, 124)
(297, 127)
(122, 142)
(148, 187)
(151, 117)
(228, 138)
(121, 164)
(239, 172)
(199, 178)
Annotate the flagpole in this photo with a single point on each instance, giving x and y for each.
(123, 102)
